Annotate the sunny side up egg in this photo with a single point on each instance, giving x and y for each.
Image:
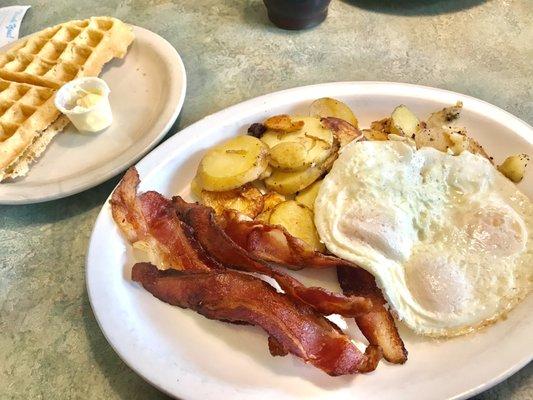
(448, 238)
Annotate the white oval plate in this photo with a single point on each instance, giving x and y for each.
(147, 93)
(191, 357)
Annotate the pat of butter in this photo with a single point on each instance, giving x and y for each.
(85, 102)
(88, 100)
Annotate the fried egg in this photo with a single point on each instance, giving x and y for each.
(447, 237)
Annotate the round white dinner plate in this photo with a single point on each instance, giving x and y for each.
(147, 92)
(191, 357)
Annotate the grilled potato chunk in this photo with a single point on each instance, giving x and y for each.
(233, 163)
(246, 199)
(316, 140)
(403, 122)
(514, 167)
(445, 116)
(371, 134)
(298, 220)
(328, 107)
(383, 125)
(308, 195)
(291, 182)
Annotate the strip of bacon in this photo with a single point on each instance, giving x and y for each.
(215, 241)
(274, 244)
(235, 297)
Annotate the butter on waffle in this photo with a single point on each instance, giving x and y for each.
(32, 71)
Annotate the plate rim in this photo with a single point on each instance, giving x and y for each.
(149, 162)
(178, 98)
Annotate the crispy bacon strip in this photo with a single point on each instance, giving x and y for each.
(235, 297)
(378, 325)
(274, 244)
(215, 241)
(151, 220)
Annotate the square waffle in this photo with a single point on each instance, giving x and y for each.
(32, 71)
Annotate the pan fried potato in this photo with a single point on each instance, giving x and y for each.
(246, 199)
(308, 195)
(316, 140)
(270, 200)
(371, 134)
(266, 173)
(298, 220)
(383, 125)
(403, 122)
(343, 131)
(444, 116)
(328, 107)
(291, 182)
(283, 123)
(443, 138)
(514, 167)
(233, 163)
(290, 156)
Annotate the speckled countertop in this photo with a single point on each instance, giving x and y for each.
(50, 344)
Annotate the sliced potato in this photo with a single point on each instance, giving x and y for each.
(444, 116)
(291, 182)
(403, 122)
(328, 162)
(246, 199)
(328, 107)
(233, 163)
(514, 167)
(264, 217)
(290, 156)
(266, 173)
(272, 199)
(371, 134)
(343, 131)
(298, 220)
(283, 123)
(308, 195)
(383, 125)
(316, 140)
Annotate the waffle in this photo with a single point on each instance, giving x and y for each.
(32, 71)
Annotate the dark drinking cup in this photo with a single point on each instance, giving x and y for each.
(297, 14)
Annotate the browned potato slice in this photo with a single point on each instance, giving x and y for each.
(272, 199)
(371, 134)
(383, 125)
(233, 163)
(403, 122)
(283, 123)
(308, 195)
(443, 139)
(264, 217)
(298, 220)
(246, 199)
(433, 137)
(290, 156)
(316, 139)
(343, 131)
(328, 107)
(514, 167)
(291, 182)
(444, 116)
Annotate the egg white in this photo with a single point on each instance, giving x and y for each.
(448, 238)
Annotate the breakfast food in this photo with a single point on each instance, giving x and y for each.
(32, 71)
(186, 240)
(413, 215)
(445, 235)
